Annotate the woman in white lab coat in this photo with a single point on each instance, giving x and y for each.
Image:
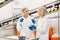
(43, 24)
(26, 25)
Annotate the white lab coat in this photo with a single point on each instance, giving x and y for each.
(23, 26)
(43, 28)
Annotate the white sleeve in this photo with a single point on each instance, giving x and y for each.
(19, 25)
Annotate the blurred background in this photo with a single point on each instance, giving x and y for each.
(10, 12)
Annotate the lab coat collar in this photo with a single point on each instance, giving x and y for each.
(43, 17)
(27, 17)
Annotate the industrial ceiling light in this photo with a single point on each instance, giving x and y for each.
(59, 7)
(48, 10)
(2, 1)
(52, 9)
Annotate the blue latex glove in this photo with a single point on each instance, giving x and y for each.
(32, 27)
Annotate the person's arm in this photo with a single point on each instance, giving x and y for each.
(19, 27)
(34, 27)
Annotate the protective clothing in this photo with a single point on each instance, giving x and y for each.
(43, 28)
(26, 26)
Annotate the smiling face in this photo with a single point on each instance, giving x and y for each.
(42, 11)
(26, 11)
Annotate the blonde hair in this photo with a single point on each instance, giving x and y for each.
(44, 10)
(23, 9)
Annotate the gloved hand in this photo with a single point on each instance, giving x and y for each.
(32, 27)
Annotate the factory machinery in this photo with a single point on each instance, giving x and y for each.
(8, 26)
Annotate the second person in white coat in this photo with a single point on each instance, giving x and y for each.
(43, 24)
